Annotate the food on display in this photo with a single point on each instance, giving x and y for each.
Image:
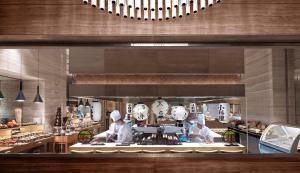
(85, 136)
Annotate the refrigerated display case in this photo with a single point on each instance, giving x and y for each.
(280, 138)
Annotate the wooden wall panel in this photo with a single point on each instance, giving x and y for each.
(240, 20)
(156, 60)
(265, 85)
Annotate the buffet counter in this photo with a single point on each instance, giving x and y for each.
(184, 148)
(27, 146)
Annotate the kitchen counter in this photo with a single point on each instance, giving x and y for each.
(188, 147)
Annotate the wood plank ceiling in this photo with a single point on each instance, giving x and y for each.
(153, 72)
(68, 21)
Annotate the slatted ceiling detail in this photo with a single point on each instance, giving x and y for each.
(79, 2)
(263, 20)
(157, 79)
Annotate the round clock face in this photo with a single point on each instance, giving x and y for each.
(179, 113)
(140, 112)
(160, 108)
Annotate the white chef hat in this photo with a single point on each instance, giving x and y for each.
(115, 115)
(201, 119)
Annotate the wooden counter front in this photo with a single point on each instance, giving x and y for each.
(149, 163)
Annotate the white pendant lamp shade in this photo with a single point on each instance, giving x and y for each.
(175, 3)
(125, 13)
(153, 15)
(130, 3)
(132, 13)
(109, 6)
(167, 14)
(146, 14)
(121, 3)
(94, 3)
(174, 12)
(160, 5)
(139, 14)
(160, 15)
(137, 4)
(152, 5)
(168, 4)
(180, 11)
(145, 4)
(102, 4)
(118, 11)
(188, 8)
(151, 9)
(202, 4)
(195, 6)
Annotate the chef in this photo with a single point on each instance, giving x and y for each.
(124, 133)
(199, 132)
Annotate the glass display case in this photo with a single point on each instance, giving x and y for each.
(280, 138)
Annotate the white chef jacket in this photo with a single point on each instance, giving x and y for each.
(113, 129)
(205, 134)
(124, 134)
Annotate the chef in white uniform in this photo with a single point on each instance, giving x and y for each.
(124, 133)
(199, 132)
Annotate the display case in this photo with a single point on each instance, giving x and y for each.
(280, 138)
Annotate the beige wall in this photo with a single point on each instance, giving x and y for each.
(265, 85)
(52, 76)
(9, 89)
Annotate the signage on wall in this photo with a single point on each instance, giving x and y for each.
(193, 108)
(129, 107)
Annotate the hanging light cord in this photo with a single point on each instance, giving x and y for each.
(38, 63)
(21, 67)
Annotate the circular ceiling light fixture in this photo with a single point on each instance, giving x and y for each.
(151, 9)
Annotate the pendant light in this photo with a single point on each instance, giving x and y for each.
(80, 102)
(20, 97)
(38, 98)
(87, 104)
(1, 95)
